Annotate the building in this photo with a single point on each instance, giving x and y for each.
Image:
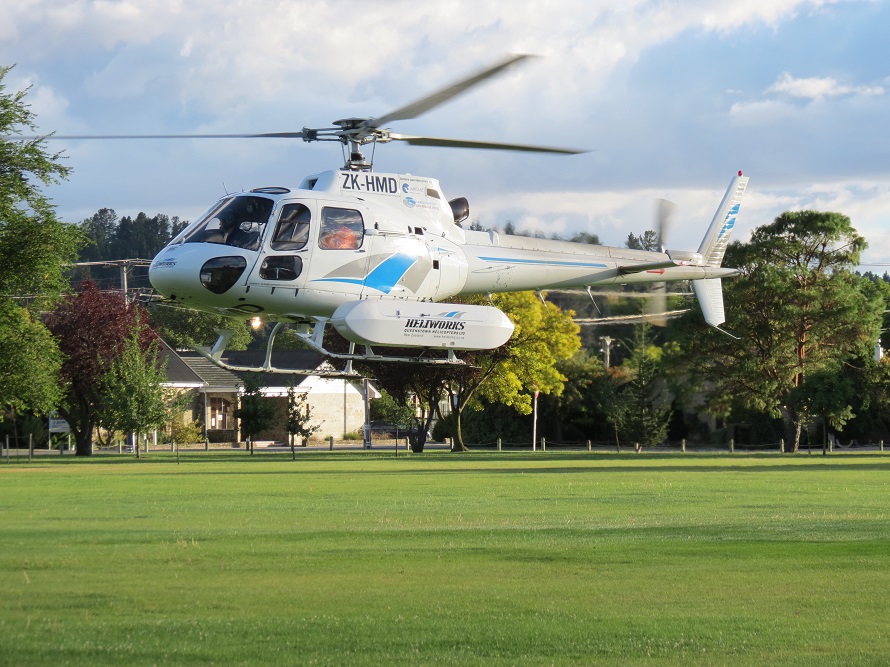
(336, 404)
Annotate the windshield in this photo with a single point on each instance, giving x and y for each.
(235, 221)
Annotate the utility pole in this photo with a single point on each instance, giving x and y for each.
(607, 346)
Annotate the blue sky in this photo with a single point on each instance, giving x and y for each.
(673, 97)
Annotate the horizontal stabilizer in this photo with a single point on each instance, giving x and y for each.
(649, 266)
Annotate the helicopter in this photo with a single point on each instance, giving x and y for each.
(376, 255)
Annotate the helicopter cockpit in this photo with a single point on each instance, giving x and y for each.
(234, 221)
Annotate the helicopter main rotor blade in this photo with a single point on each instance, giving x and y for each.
(77, 137)
(488, 145)
(424, 104)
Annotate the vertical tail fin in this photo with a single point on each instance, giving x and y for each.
(713, 246)
(709, 292)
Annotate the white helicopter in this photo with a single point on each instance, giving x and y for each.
(373, 254)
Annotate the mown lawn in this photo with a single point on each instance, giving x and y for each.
(485, 558)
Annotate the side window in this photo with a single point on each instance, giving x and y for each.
(292, 232)
(281, 267)
(341, 229)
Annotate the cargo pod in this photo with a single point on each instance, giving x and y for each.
(412, 324)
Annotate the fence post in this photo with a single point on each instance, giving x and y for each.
(30, 446)
(781, 445)
(331, 443)
(830, 446)
(732, 445)
(589, 446)
(499, 444)
(543, 444)
(206, 444)
(881, 445)
(683, 445)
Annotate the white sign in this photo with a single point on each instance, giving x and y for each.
(57, 424)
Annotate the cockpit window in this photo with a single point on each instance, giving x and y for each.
(292, 232)
(341, 229)
(235, 221)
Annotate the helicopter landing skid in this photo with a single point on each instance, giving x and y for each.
(315, 341)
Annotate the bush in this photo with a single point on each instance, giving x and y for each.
(185, 433)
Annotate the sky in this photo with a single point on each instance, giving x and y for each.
(670, 97)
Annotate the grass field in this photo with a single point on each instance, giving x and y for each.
(494, 559)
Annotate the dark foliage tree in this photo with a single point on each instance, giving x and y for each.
(648, 240)
(581, 410)
(798, 308)
(299, 416)
(641, 411)
(183, 328)
(585, 237)
(91, 328)
(411, 394)
(255, 411)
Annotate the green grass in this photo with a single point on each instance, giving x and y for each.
(487, 559)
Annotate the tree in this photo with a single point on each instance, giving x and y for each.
(183, 328)
(299, 416)
(29, 362)
(34, 244)
(648, 240)
(254, 411)
(131, 392)
(410, 395)
(91, 328)
(798, 308)
(640, 413)
(544, 335)
(100, 229)
(35, 248)
(826, 393)
(585, 237)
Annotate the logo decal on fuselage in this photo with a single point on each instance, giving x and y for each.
(382, 185)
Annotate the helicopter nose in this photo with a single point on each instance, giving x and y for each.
(183, 274)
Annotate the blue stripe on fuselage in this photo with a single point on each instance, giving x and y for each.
(543, 262)
(384, 277)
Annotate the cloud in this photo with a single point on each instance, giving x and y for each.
(670, 94)
(816, 88)
(761, 112)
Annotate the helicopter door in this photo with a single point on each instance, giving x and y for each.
(283, 263)
(340, 259)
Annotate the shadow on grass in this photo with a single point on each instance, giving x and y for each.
(447, 463)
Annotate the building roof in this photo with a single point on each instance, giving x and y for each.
(179, 374)
(212, 376)
(221, 379)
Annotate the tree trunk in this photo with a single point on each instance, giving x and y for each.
(798, 427)
(457, 439)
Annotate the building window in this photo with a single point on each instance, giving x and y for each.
(221, 415)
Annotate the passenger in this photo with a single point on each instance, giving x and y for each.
(339, 239)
